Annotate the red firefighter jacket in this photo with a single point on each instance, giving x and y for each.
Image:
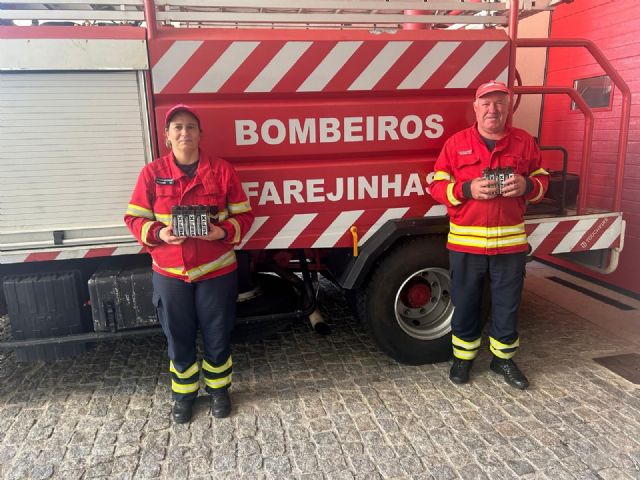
(160, 186)
(495, 226)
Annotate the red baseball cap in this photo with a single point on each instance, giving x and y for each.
(180, 107)
(491, 87)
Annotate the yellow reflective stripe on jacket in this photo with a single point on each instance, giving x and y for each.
(184, 387)
(480, 242)
(218, 382)
(452, 199)
(138, 211)
(240, 207)
(163, 217)
(487, 232)
(540, 171)
(174, 270)
(464, 354)
(225, 260)
(540, 190)
(223, 215)
(210, 368)
(458, 342)
(236, 227)
(440, 175)
(189, 372)
(144, 232)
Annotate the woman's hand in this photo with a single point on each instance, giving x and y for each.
(167, 236)
(215, 233)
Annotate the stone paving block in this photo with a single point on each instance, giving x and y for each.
(328, 407)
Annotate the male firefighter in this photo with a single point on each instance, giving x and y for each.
(485, 175)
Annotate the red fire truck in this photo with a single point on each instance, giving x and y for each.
(333, 116)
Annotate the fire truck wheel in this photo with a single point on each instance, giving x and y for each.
(407, 303)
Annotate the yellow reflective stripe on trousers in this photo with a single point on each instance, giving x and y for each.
(450, 196)
(240, 207)
(138, 211)
(184, 388)
(210, 368)
(487, 232)
(498, 348)
(504, 346)
(464, 354)
(440, 175)
(218, 382)
(500, 353)
(458, 342)
(472, 241)
(189, 372)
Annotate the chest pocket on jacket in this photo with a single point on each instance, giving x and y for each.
(467, 168)
(168, 193)
(211, 199)
(514, 161)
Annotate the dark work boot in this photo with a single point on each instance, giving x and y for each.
(182, 411)
(510, 371)
(220, 403)
(460, 369)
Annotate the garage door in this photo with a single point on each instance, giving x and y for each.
(73, 144)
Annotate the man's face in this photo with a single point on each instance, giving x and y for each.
(491, 110)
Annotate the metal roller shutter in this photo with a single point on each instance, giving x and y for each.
(73, 144)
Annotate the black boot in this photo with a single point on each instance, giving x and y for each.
(510, 371)
(182, 411)
(460, 369)
(220, 403)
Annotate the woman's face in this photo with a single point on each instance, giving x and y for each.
(183, 132)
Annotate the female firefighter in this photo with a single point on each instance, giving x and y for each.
(194, 272)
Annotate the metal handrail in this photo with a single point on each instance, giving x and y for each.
(334, 13)
(625, 116)
(588, 133)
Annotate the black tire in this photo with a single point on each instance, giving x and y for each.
(407, 329)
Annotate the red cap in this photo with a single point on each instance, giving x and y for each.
(491, 87)
(181, 107)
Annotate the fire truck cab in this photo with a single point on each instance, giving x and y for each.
(333, 115)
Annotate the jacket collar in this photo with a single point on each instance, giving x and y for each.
(500, 144)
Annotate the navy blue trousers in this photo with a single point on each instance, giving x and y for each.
(506, 279)
(183, 308)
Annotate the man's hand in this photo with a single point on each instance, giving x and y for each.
(167, 236)
(514, 186)
(215, 233)
(483, 189)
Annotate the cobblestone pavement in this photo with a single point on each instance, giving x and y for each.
(313, 407)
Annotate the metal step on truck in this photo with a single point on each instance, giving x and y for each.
(333, 115)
